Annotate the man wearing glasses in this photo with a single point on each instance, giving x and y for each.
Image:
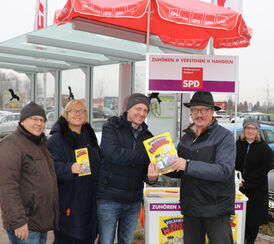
(206, 169)
(28, 185)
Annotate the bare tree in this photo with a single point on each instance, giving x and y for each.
(268, 97)
(230, 105)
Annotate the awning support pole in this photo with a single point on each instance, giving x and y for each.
(211, 49)
(148, 25)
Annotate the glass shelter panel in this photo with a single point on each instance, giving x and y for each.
(45, 97)
(163, 116)
(73, 86)
(14, 94)
(105, 95)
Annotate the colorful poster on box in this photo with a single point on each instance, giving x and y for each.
(164, 217)
(161, 151)
(171, 229)
(191, 73)
(234, 225)
(83, 159)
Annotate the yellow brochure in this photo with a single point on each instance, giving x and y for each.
(83, 159)
(161, 151)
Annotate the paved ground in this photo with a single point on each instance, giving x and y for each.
(4, 239)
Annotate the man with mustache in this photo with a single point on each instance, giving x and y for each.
(206, 169)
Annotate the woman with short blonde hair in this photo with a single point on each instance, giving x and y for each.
(72, 136)
(72, 105)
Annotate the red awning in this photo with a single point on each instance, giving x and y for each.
(186, 24)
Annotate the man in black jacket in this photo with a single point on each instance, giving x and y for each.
(206, 169)
(124, 168)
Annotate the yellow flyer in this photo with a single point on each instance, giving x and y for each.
(83, 159)
(161, 151)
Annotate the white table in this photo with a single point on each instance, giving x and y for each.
(164, 221)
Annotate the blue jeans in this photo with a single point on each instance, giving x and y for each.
(33, 238)
(112, 213)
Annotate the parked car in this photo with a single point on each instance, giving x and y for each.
(8, 123)
(267, 134)
(238, 119)
(50, 120)
(267, 119)
(107, 112)
(3, 113)
(97, 125)
(221, 114)
(104, 112)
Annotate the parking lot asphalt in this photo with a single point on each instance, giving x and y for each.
(261, 239)
(4, 237)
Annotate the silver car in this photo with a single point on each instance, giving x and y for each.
(8, 123)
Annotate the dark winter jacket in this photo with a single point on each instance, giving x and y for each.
(207, 184)
(124, 163)
(77, 194)
(28, 186)
(254, 162)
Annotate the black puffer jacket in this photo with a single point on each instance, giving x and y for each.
(254, 165)
(124, 163)
(77, 195)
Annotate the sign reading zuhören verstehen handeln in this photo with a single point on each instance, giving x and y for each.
(191, 73)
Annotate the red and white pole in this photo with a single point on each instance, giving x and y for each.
(40, 14)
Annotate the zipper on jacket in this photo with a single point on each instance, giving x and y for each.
(135, 135)
(245, 159)
(108, 181)
(134, 144)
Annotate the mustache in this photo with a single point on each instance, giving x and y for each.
(199, 117)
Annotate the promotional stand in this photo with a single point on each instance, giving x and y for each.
(164, 223)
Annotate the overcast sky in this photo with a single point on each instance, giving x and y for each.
(256, 69)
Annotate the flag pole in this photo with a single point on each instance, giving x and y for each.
(211, 49)
(44, 74)
(148, 25)
(46, 13)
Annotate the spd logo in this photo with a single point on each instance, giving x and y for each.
(192, 78)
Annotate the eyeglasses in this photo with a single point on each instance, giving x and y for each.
(139, 110)
(35, 119)
(202, 110)
(81, 111)
(250, 128)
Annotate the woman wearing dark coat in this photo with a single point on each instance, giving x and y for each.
(254, 158)
(77, 194)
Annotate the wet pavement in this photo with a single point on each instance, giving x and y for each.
(261, 239)
(4, 238)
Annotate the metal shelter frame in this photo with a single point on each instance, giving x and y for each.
(81, 43)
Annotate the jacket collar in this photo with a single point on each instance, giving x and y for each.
(122, 121)
(211, 125)
(38, 140)
(66, 133)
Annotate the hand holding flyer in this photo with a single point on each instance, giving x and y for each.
(83, 159)
(161, 151)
